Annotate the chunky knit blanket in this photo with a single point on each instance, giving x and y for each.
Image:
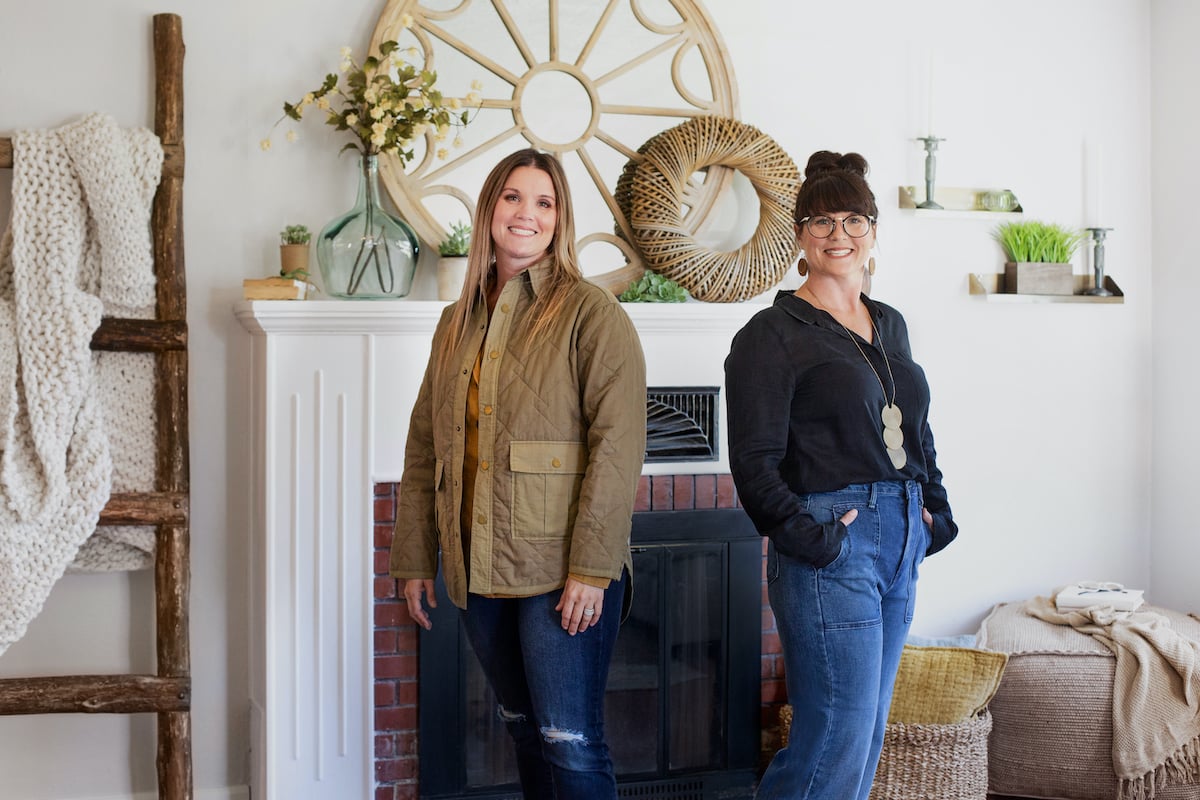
(77, 248)
(1156, 694)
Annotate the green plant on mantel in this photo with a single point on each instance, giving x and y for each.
(458, 243)
(295, 234)
(1038, 242)
(653, 288)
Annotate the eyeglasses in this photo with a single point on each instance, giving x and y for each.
(856, 226)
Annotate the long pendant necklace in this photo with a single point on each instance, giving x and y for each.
(893, 437)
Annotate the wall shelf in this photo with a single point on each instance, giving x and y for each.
(991, 288)
(955, 201)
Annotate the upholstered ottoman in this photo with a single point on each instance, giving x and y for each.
(1052, 715)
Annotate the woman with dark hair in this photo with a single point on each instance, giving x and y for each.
(833, 459)
(523, 456)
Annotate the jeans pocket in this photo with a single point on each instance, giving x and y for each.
(837, 511)
(772, 564)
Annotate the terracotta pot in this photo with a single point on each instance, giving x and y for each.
(293, 257)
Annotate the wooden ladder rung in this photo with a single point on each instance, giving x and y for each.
(172, 158)
(94, 694)
(146, 508)
(140, 335)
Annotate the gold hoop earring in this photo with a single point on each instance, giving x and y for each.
(871, 265)
(802, 267)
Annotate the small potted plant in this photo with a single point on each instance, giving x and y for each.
(452, 261)
(294, 242)
(1039, 257)
(653, 288)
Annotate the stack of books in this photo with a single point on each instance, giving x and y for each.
(1086, 594)
(274, 289)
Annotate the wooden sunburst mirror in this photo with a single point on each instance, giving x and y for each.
(589, 82)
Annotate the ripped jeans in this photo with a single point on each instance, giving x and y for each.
(550, 689)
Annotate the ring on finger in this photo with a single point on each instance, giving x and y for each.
(589, 612)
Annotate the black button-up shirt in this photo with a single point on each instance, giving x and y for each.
(804, 416)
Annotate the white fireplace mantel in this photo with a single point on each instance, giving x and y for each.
(332, 385)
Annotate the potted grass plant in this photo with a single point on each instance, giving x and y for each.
(452, 261)
(1039, 257)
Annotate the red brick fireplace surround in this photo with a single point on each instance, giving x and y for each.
(396, 754)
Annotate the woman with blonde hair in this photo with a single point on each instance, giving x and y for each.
(523, 456)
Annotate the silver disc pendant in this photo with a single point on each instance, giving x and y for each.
(891, 416)
(893, 437)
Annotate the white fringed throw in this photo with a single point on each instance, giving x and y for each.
(1156, 694)
(77, 247)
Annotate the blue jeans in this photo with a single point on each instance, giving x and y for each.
(843, 628)
(550, 689)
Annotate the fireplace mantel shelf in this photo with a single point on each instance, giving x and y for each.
(357, 317)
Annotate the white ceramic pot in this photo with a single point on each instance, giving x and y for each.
(451, 272)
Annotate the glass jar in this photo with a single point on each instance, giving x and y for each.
(367, 253)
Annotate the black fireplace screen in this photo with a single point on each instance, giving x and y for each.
(682, 706)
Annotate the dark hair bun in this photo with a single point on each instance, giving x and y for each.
(824, 161)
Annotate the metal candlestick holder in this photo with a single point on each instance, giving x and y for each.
(1097, 235)
(931, 143)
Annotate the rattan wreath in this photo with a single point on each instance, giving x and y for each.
(657, 189)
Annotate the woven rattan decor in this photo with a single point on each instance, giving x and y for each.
(652, 193)
(948, 761)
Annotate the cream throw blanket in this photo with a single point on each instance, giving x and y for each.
(1156, 694)
(77, 247)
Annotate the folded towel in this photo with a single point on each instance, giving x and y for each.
(1086, 594)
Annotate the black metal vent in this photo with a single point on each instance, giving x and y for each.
(681, 423)
(663, 790)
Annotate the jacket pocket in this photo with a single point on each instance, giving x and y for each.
(443, 498)
(546, 480)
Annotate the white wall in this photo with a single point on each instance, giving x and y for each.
(1043, 413)
(1174, 168)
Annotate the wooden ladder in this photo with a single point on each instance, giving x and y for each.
(167, 693)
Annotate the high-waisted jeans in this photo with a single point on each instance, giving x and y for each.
(550, 689)
(843, 628)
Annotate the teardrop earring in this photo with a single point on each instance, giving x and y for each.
(802, 267)
(871, 265)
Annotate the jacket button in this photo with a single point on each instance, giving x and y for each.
(556, 463)
(487, 410)
(483, 465)
(483, 519)
(504, 308)
(494, 354)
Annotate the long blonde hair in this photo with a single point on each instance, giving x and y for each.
(564, 275)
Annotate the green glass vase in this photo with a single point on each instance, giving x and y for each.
(367, 253)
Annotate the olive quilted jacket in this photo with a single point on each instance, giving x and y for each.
(562, 437)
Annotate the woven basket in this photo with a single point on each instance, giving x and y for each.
(948, 762)
(653, 192)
